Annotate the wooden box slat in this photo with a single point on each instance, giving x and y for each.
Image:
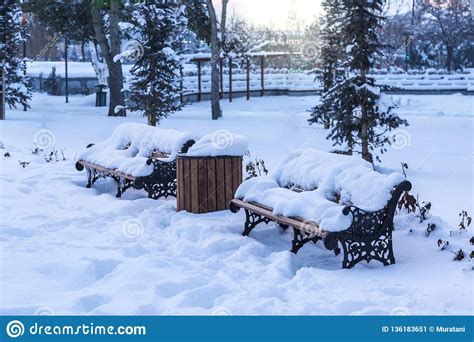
(187, 182)
(236, 165)
(211, 185)
(202, 186)
(194, 185)
(228, 177)
(220, 192)
(207, 184)
(180, 185)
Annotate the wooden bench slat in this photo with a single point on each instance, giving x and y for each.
(154, 155)
(160, 182)
(296, 222)
(103, 169)
(158, 154)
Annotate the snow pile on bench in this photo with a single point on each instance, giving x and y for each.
(330, 182)
(219, 143)
(132, 144)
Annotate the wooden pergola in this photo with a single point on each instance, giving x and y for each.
(259, 55)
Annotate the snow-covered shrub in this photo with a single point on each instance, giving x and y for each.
(155, 86)
(255, 167)
(465, 220)
(23, 164)
(52, 84)
(17, 86)
(49, 154)
(407, 202)
(404, 168)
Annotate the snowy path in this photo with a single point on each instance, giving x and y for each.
(70, 250)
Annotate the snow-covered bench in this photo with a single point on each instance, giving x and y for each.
(138, 156)
(322, 196)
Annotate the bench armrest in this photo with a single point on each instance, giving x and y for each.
(368, 225)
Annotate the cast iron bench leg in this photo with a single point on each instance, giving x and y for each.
(300, 239)
(357, 249)
(161, 183)
(92, 177)
(252, 220)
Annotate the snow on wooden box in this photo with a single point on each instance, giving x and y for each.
(219, 143)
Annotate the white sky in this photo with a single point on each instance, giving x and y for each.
(275, 13)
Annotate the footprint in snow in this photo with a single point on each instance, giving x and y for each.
(91, 302)
(103, 267)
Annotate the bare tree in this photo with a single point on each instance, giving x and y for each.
(110, 48)
(217, 42)
(451, 23)
(394, 39)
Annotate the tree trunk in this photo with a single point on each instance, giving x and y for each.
(215, 47)
(151, 119)
(364, 133)
(115, 79)
(215, 93)
(83, 51)
(222, 41)
(449, 57)
(100, 68)
(350, 140)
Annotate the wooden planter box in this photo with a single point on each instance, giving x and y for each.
(207, 184)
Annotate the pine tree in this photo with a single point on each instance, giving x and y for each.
(360, 37)
(17, 89)
(155, 86)
(359, 115)
(331, 57)
(198, 19)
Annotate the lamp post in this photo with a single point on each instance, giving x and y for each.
(412, 28)
(66, 71)
(2, 70)
(2, 90)
(406, 34)
(24, 22)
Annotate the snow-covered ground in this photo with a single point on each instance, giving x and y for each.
(66, 249)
